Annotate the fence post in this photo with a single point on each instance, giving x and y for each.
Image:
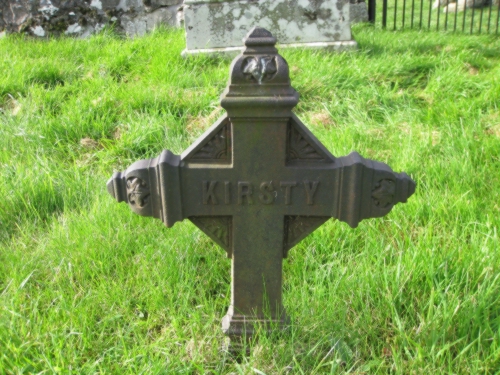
(372, 6)
(384, 14)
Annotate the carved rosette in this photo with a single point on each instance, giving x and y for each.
(383, 193)
(259, 68)
(137, 192)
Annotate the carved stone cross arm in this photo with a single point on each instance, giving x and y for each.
(258, 182)
(349, 188)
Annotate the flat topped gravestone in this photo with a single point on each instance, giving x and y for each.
(258, 182)
(217, 26)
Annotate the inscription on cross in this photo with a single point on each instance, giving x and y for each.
(258, 182)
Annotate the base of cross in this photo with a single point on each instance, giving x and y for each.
(241, 329)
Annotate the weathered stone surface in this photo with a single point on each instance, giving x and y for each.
(358, 11)
(303, 20)
(218, 25)
(160, 3)
(139, 25)
(83, 17)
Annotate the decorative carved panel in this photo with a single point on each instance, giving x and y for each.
(299, 227)
(216, 145)
(218, 228)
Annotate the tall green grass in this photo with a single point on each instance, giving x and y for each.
(88, 287)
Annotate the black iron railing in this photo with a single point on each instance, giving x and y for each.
(476, 16)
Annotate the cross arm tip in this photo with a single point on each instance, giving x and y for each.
(369, 189)
(150, 187)
(116, 187)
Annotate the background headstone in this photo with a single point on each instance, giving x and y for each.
(358, 11)
(218, 26)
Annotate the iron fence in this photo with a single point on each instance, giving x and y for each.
(471, 16)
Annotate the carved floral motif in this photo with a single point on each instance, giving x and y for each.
(137, 192)
(259, 68)
(300, 148)
(217, 147)
(383, 194)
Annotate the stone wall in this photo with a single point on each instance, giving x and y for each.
(84, 17)
(81, 18)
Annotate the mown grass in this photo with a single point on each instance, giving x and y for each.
(88, 287)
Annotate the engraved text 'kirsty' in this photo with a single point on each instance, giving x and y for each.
(244, 192)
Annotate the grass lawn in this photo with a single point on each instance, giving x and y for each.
(88, 287)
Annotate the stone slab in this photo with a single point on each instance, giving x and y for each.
(223, 24)
(234, 51)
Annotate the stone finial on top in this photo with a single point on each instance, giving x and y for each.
(259, 80)
(259, 37)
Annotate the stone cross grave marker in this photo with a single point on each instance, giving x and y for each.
(258, 182)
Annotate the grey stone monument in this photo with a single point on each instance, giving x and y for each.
(216, 26)
(257, 183)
